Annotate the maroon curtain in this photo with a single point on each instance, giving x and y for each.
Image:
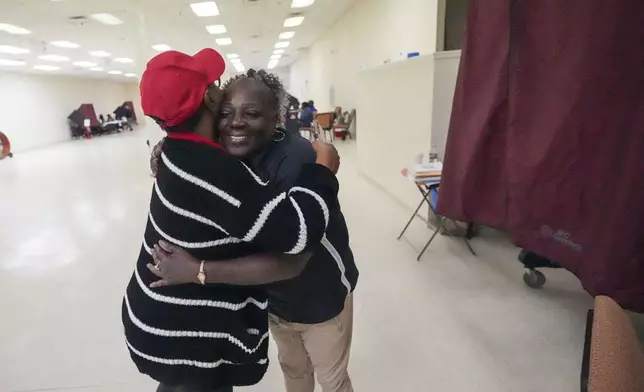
(87, 110)
(546, 138)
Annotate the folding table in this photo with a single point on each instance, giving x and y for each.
(428, 188)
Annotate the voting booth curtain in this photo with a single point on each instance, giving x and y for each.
(546, 139)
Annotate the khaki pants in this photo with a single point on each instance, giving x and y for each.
(323, 349)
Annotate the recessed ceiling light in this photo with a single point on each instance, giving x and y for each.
(276, 56)
(207, 8)
(65, 44)
(294, 21)
(123, 60)
(99, 53)
(46, 67)
(84, 64)
(287, 35)
(53, 57)
(161, 47)
(130, 75)
(224, 41)
(96, 69)
(115, 72)
(13, 63)
(281, 45)
(232, 56)
(216, 29)
(302, 3)
(278, 51)
(107, 19)
(13, 50)
(12, 29)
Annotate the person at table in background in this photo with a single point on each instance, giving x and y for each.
(306, 115)
(101, 119)
(313, 108)
(311, 316)
(201, 336)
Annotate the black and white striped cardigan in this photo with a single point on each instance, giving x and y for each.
(213, 205)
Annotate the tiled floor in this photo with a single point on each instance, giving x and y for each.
(71, 221)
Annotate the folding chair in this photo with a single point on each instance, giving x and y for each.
(429, 189)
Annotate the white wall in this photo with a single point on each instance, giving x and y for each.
(394, 123)
(368, 35)
(445, 74)
(34, 108)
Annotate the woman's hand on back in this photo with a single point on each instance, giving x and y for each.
(327, 155)
(155, 156)
(173, 265)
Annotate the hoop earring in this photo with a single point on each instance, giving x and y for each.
(278, 135)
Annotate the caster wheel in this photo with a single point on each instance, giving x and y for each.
(534, 279)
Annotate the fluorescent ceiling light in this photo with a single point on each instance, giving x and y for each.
(283, 44)
(278, 51)
(216, 29)
(99, 53)
(46, 67)
(276, 56)
(302, 3)
(123, 60)
(96, 69)
(207, 8)
(53, 57)
(272, 65)
(12, 29)
(239, 67)
(13, 63)
(13, 50)
(235, 61)
(232, 56)
(84, 64)
(161, 47)
(294, 21)
(130, 75)
(224, 41)
(287, 35)
(65, 44)
(107, 19)
(115, 72)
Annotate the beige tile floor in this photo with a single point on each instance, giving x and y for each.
(71, 220)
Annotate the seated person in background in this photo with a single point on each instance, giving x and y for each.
(312, 106)
(306, 115)
(205, 336)
(101, 118)
(110, 118)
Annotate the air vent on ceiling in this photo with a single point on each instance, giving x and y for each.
(79, 17)
(294, 14)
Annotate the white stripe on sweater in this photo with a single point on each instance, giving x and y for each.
(185, 213)
(325, 209)
(194, 302)
(186, 362)
(263, 217)
(199, 182)
(302, 236)
(191, 334)
(255, 176)
(338, 260)
(192, 245)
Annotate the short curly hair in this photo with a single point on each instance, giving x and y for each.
(274, 85)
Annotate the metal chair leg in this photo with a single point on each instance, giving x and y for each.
(438, 228)
(467, 242)
(412, 217)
